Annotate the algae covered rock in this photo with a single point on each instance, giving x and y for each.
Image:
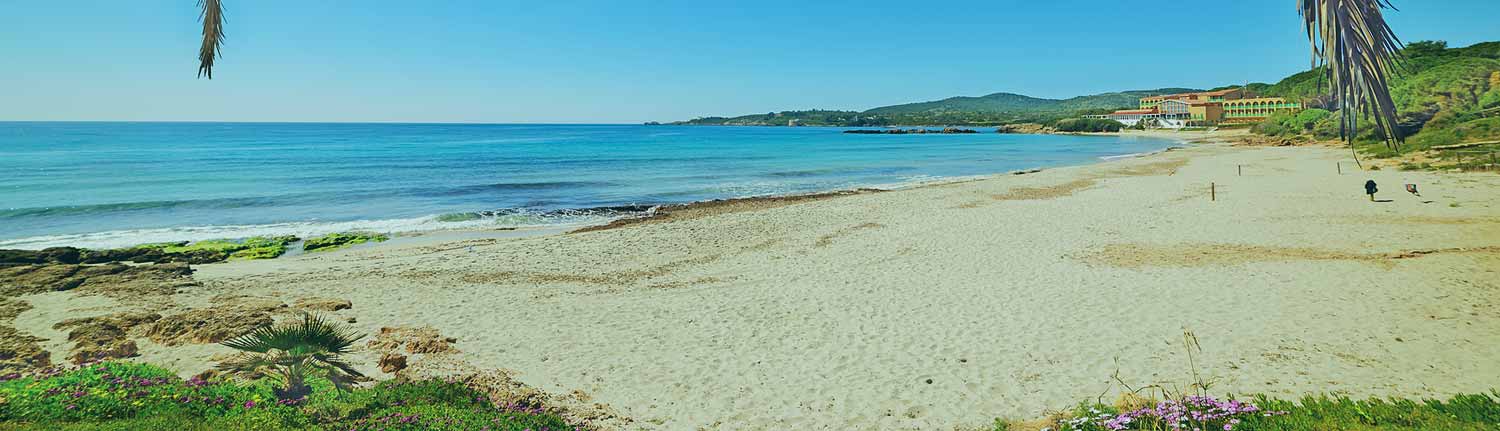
(201, 252)
(43, 256)
(114, 280)
(334, 241)
(19, 352)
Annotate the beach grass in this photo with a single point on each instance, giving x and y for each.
(121, 396)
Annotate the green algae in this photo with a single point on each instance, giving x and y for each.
(206, 251)
(335, 241)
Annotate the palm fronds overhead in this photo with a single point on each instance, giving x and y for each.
(213, 36)
(1360, 52)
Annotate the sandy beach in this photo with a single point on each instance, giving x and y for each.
(939, 306)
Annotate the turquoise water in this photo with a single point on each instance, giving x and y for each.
(115, 184)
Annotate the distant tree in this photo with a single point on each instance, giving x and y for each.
(1425, 48)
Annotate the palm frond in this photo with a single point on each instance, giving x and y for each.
(1360, 52)
(212, 16)
(250, 366)
(312, 334)
(338, 364)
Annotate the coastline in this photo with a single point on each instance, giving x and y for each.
(487, 220)
(932, 306)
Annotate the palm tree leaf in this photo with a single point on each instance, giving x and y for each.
(250, 366)
(1359, 52)
(343, 375)
(312, 334)
(212, 16)
(338, 363)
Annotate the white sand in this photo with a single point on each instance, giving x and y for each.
(952, 305)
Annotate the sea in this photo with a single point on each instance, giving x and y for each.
(116, 184)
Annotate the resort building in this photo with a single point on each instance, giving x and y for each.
(1206, 96)
(1205, 108)
(1256, 110)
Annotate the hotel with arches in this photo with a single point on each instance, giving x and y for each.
(1207, 108)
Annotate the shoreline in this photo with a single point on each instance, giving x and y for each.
(423, 225)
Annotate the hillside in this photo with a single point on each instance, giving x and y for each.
(1017, 103)
(997, 108)
(1445, 96)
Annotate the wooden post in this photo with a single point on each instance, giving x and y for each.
(1213, 192)
(1340, 166)
(1239, 170)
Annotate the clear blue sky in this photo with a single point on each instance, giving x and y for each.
(632, 61)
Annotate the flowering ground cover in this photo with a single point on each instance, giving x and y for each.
(1203, 413)
(126, 396)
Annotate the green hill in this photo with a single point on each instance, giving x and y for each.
(997, 108)
(1017, 103)
(1443, 96)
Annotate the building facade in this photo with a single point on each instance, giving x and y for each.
(1207, 108)
(1257, 109)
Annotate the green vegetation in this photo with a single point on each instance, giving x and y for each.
(1088, 125)
(258, 247)
(335, 241)
(1316, 122)
(124, 396)
(291, 352)
(1463, 412)
(1446, 96)
(207, 251)
(993, 109)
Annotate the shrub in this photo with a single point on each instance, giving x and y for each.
(294, 351)
(1089, 125)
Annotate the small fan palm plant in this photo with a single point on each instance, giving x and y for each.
(294, 351)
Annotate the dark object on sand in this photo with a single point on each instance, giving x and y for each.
(1370, 189)
(1412, 188)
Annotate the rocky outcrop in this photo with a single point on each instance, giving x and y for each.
(232, 317)
(196, 253)
(392, 363)
(322, 304)
(104, 337)
(18, 352)
(21, 352)
(334, 241)
(417, 340)
(1025, 128)
(43, 256)
(115, 280)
